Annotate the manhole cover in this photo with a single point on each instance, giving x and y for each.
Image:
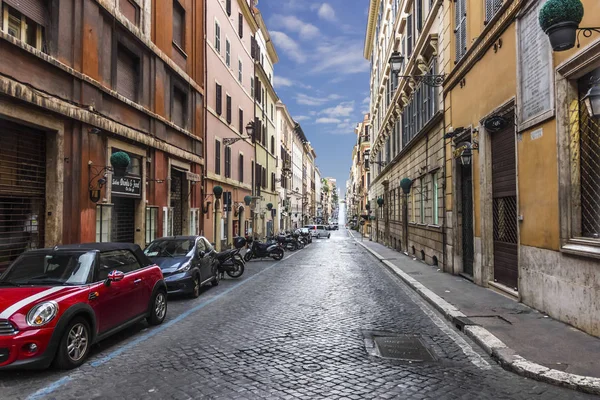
(407, 348)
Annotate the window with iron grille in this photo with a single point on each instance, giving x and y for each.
(228, 114)
(217, 157)
(227, 162)
(491, 8)
(178, 24)
(219, 99)
(460, 29)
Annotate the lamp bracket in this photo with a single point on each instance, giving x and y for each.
(586, 32)
(428, 79)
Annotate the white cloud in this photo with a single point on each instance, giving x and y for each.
(281, 81)
(328, 121)
(288, 46)
(313, 113)
(301, 118)
(340, 56)
(307, 100)
(344, 109)
(326, 12)
(366, 100)
(345, 127)
(334, 97)
(291, 23)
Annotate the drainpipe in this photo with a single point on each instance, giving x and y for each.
(205, 144)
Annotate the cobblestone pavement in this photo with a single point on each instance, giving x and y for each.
(289, 330)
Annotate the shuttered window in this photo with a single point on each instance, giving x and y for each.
(272, 181)
(253, 48)
(257, 129)
(240, 71)
(229, 109)
(228, 7)
(33, 9)
(257, 90)
(273, 145)
(127, 73)
(491, 8)
(217, 157)
(130, 10)
(178, 115)
(241, 25)
(241, 168)
(419, 15)
(219, 100)
(241, 122)
(178, 24)
(252, 85)
(228, 52)
(227, 162)
(409, 35)
(217, 37)
(460, 31)
(264, 177)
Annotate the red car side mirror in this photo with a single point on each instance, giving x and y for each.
(114, 276)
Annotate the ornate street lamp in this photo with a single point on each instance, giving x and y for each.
(396, 61)
(249, 132)
(592, 99)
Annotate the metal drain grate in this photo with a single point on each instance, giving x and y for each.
(403, 347)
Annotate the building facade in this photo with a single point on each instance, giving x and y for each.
(407, 121)
(521, 174)
(285, 132)
(88, 79)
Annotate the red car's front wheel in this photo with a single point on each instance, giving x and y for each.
(74, 345)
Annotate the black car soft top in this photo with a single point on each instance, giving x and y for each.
(102, 247)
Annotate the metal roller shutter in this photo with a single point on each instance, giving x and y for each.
(22, 190)
(34, 9)
(123, 223)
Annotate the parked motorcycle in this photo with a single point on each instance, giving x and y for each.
(263, 250)
(230, 261)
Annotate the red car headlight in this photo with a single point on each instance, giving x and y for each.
(42, 313)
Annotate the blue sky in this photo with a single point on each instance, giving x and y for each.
(322, 76)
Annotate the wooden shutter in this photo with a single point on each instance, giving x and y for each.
(219, 98)
(241, 122)
(229, 109)
(419, 15)
(409, 35)
(257, 129)
(264, 177)
(253, 48)
(241, 25)
(228, 7)
(178, 24)
(227, 162)
(217, 157)
(33, 9)
(257, 178)
(126, 73)
(241, 168)
(460, 31)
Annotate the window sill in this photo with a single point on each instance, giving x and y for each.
(180, 50)
(582, 248)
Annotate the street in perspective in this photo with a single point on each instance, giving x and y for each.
(178, 219)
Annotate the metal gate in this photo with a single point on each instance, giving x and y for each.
(468, 250)
(123, 223)
(177, 201)
(22, 190)
(504, 193)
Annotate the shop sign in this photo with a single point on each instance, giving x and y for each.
(127, 186)
(193, 177)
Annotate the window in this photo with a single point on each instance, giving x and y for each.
(252, 85)
(460, 28)
(120, 260)
(227, 162)
(229, 109)
(178, 24)
(167, 221)
(194, 221)
(413, 217)
(272, 181)
(271, 112)
(179, 108)
(419, 15)
(272, 144)
(228, 7)
(217, 157)
(219, 99)
(103, 222)
(264, 178)
(241, 168)
(127, 73)
(228, 52)
(491, 8)
(240, 71)
(241, 122)
(241, 25)
(26, 22)
(434, 180)
(130, 10)
(419, 110)
(151, 224)
(422, 200)
(409, 35)
(217, 37)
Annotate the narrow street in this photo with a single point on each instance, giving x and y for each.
(292, 329)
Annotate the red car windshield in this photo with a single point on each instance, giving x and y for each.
(51, 268)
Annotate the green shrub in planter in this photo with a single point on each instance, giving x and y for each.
(406, 184)
(269, 206)
(120, 161)
(218, 191)
(247, 199)
(560, 19)
(556, 11)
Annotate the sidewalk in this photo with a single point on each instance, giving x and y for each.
(520, 338)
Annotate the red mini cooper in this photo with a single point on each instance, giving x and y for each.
(55, 303)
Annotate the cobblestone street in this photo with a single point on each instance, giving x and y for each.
(286, 330)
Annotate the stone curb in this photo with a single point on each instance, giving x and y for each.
(494, 347)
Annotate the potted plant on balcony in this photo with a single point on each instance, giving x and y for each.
(560, 19)
(119, 162)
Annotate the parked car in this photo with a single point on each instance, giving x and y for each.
(187, 263)
(318, 231)
(58, 302)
